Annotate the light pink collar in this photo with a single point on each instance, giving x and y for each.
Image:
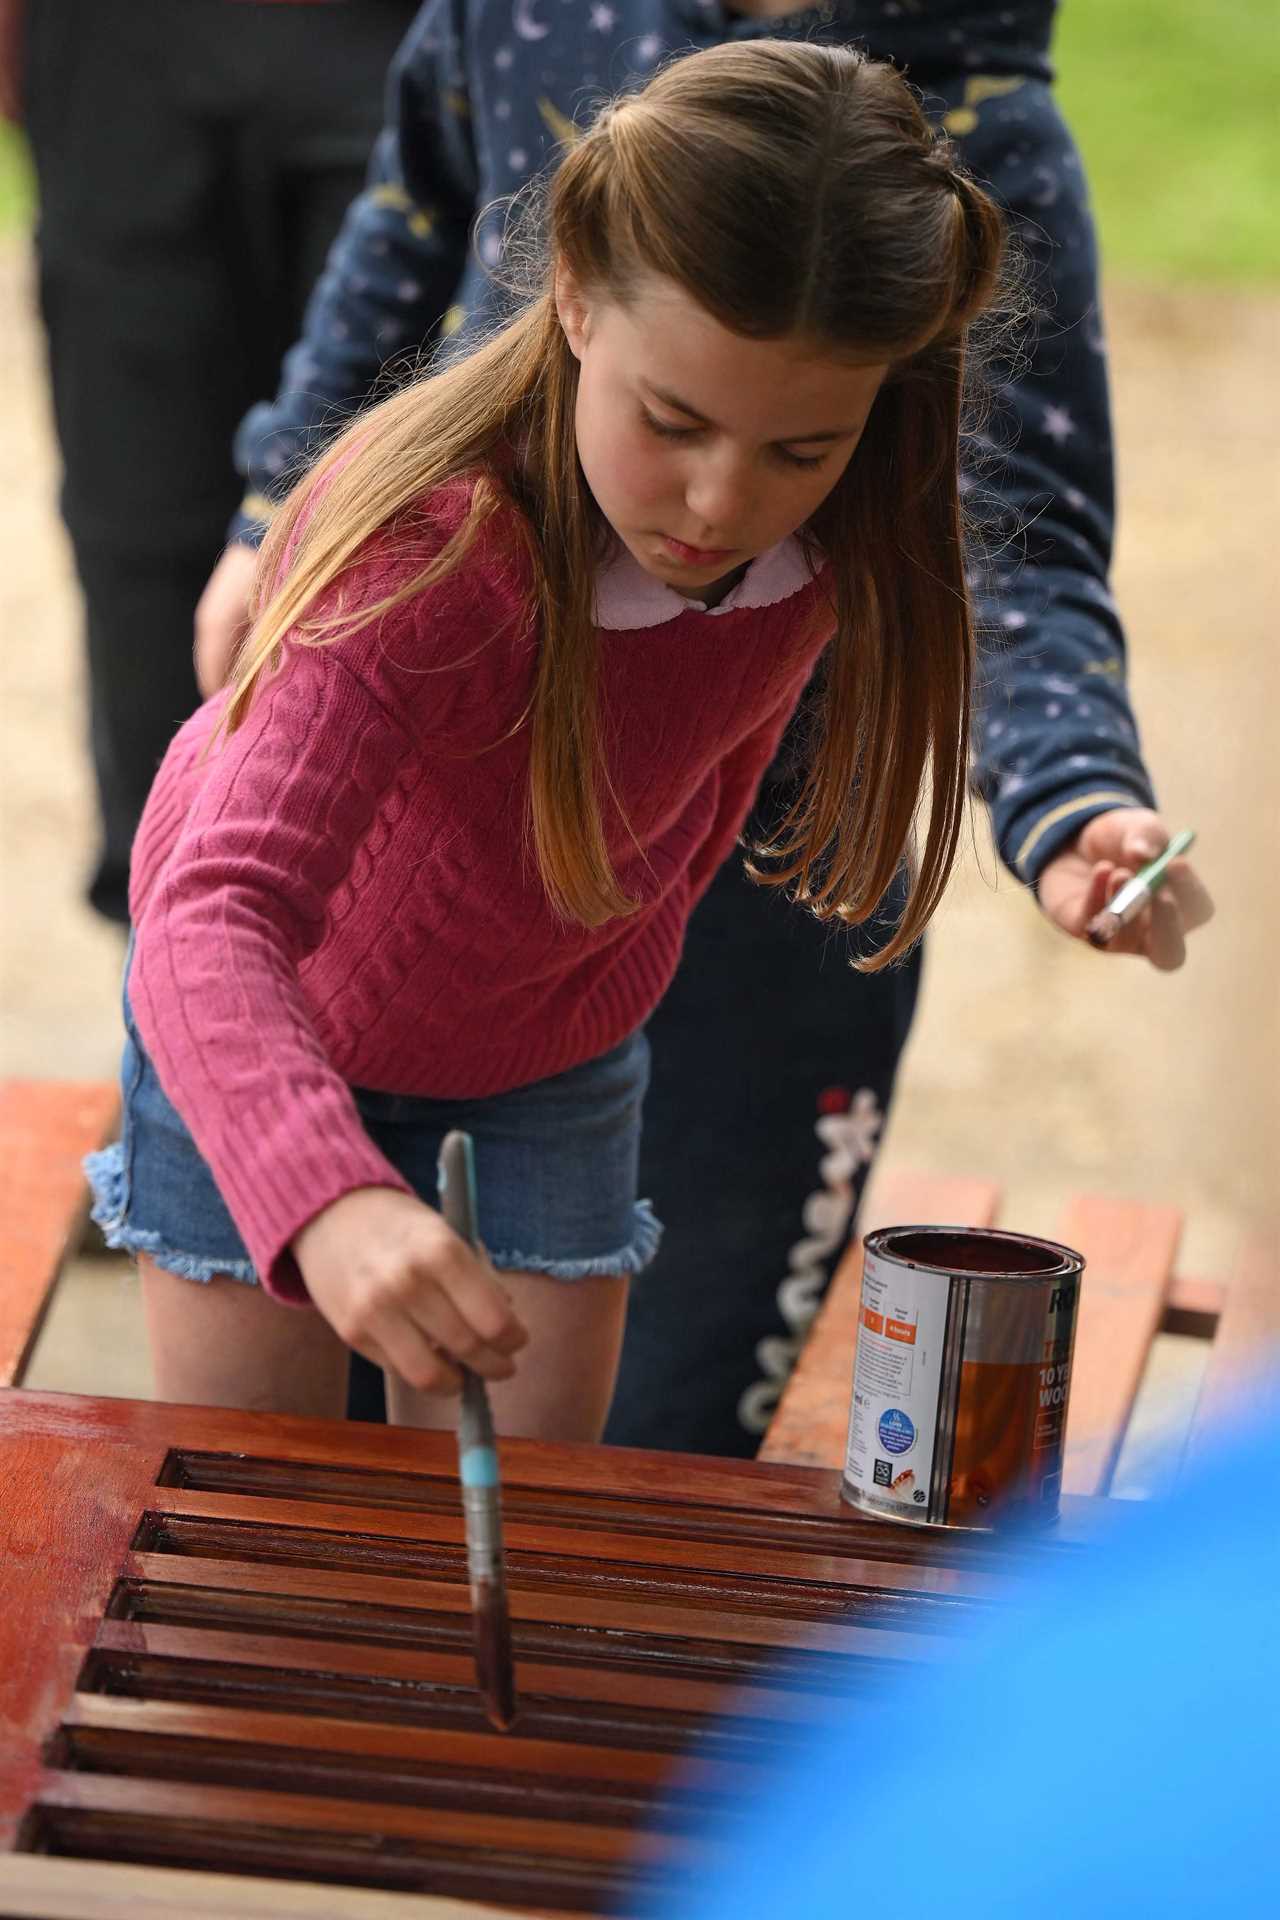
(627, 597)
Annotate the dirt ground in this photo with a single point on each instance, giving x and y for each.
(1034, 1061)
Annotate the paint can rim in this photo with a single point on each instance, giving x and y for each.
(1052, 1260)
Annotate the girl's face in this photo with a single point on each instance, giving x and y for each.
(703, 448)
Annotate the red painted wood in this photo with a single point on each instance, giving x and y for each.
(811, 1425)
(1242, 1381)
(1129, 1252)
(68, 1509)
(243, 1681)
(46, 1128)
(610, 1687)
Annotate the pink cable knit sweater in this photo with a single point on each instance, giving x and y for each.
(342, 893)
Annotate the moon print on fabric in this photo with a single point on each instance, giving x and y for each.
(523, 24)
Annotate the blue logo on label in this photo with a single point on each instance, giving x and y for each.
(896, 1432)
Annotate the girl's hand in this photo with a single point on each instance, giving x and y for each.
(399, 1286)
(1080, 881)
(222, 617)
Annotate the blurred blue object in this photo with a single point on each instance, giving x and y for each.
(1107, 1747)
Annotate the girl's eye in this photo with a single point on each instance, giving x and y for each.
(663, 429)
(799, 459)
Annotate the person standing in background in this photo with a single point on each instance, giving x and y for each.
(773, 1072)
(193, 161)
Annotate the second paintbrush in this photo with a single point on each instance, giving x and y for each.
(1135, 894)
(478, 1472)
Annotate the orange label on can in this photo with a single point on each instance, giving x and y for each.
(903, 1330)
(875, 1321)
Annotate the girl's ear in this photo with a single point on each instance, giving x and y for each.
(573, 310)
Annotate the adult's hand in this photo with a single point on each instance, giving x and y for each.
(402, 1288)
(222, 616)
(1079, 881)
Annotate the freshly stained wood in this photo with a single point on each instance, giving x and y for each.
(38, 1887)
(46, 1128)
(241, 1645)
(811, 1425)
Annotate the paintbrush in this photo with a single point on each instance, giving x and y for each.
(478, 1472)
(1134, 894)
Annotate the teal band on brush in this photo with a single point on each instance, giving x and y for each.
(478, 1467)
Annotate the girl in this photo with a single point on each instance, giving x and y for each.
(531, 633)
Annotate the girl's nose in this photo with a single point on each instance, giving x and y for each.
(717, 494)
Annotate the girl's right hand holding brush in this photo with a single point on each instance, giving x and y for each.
(402, 1288)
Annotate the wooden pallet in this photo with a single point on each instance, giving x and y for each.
(1131, 1292)
(240, 1644)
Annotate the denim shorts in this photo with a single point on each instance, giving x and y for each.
(556, 1170)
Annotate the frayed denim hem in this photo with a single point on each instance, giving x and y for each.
(105, 1173)
(631, 1259)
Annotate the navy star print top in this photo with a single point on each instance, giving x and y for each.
(479, 98)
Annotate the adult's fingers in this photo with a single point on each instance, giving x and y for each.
(1195, 902)
(1166, 943)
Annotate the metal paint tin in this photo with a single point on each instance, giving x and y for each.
(960, 1383)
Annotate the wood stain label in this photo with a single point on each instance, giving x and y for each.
(962, 1375)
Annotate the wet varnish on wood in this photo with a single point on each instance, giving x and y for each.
(236, 1643)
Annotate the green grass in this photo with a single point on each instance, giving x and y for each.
(17, 189)
(1176, 106)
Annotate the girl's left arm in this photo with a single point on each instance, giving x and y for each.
(225, 920)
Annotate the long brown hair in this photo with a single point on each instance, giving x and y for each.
(794, 191)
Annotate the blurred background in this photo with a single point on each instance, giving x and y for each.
(1034, 1062)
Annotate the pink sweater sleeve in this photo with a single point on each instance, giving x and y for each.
(241, 900)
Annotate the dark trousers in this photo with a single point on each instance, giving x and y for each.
(194, 160)
(773, 1068)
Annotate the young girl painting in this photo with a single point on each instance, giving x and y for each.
(529, 636)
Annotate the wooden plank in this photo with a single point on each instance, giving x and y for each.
(183, 1801)
(280, 1655)
(1194, 1307)
(572, 1610)
(730, 1569)
(1242, 1381)
(46, 1128)
(42, 1887)
(303, 1733)
(810, 1427)
(1129, 1250)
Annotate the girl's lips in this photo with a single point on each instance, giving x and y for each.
(696, 556)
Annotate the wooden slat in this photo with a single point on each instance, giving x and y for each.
(303, 1814)
(868, 1557)
(1242, 1381)
(1194, 1307)
(46, 1128)
(42, 1887)
(571, 1610)
(607, 1686)
(314, 1733)
(810, 1428)
(1129, 1252)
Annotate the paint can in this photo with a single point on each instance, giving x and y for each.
(961, 1378)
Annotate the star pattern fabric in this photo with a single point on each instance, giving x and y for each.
(483, 93)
